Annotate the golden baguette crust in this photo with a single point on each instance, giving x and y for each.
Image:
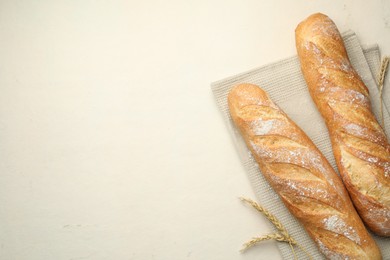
(301, 175)
(360, 146)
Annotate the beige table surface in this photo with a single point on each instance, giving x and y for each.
(111, 145)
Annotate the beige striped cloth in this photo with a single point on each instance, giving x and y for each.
(284, 83)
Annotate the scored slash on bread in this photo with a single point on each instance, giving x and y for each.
(359, 143)
(300, 174)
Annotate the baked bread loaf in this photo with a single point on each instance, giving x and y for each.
(359, 143)
(300, 174)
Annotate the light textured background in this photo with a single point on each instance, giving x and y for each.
(111, 145)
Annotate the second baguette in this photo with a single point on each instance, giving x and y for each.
(359, 143)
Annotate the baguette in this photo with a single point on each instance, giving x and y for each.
(300, 174)
(359, 143)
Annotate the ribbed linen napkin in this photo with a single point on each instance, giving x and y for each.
(284, 82)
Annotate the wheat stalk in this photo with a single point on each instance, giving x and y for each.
(282, 236)
(381, 80)
(255, 240)
(279, 226)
